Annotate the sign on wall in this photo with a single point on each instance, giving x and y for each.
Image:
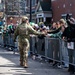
(70, 45)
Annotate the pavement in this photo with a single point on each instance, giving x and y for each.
(9, 65)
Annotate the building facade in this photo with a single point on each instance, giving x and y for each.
(22, 4)
(34, 4)
(56, 9)
(44, 12)
(38, 16)
(59, 8)
(62, 7)
(1, 13)
(13, 10)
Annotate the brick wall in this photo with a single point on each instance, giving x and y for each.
(62, 7)
(14, 20)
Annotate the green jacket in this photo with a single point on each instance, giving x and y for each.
(56, 35)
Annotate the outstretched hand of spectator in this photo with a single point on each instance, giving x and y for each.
(44, 32)
(64, 39)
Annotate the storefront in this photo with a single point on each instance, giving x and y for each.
(43, 12)
(43, 17)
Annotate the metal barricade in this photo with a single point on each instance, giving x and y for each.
(50, 48)
(71, 52)
(11, 44)
(32, 44)
(53, 49)
(41, 46)
(37, 46)
(1, 40)
(10, 41)
(7, 42)
(16, 48)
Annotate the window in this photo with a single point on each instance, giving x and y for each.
(28, 2)
(64, 15)
(33, 2)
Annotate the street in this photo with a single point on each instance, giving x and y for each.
(51, 28)
(9, 65)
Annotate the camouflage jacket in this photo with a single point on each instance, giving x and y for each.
(23, 31)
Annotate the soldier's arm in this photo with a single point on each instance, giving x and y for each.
(32, 31)
(16, 33)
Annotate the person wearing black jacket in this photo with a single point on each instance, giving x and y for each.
(54, 31)
(69, 35)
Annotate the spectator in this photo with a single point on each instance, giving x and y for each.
(64, 44)
(53, 27)
(69, 34)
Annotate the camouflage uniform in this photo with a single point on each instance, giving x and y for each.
(23, 31)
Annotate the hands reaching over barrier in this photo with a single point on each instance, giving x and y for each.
(64, 39)
(42, 35)
(44, 32)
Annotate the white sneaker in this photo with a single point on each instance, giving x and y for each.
(59, 66)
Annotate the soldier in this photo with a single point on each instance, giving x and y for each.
(23, 31)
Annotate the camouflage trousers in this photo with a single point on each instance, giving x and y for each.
(23, 49)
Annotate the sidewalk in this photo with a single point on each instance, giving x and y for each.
(9, 65)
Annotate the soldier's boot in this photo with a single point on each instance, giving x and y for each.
(21, 63)
(25, 65)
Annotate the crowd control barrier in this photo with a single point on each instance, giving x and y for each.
(71, 50)
(50, 48)
(7, 42)
(1, 40)
(37, 46)
(53, 49)
(46, 47)
(32, 45)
